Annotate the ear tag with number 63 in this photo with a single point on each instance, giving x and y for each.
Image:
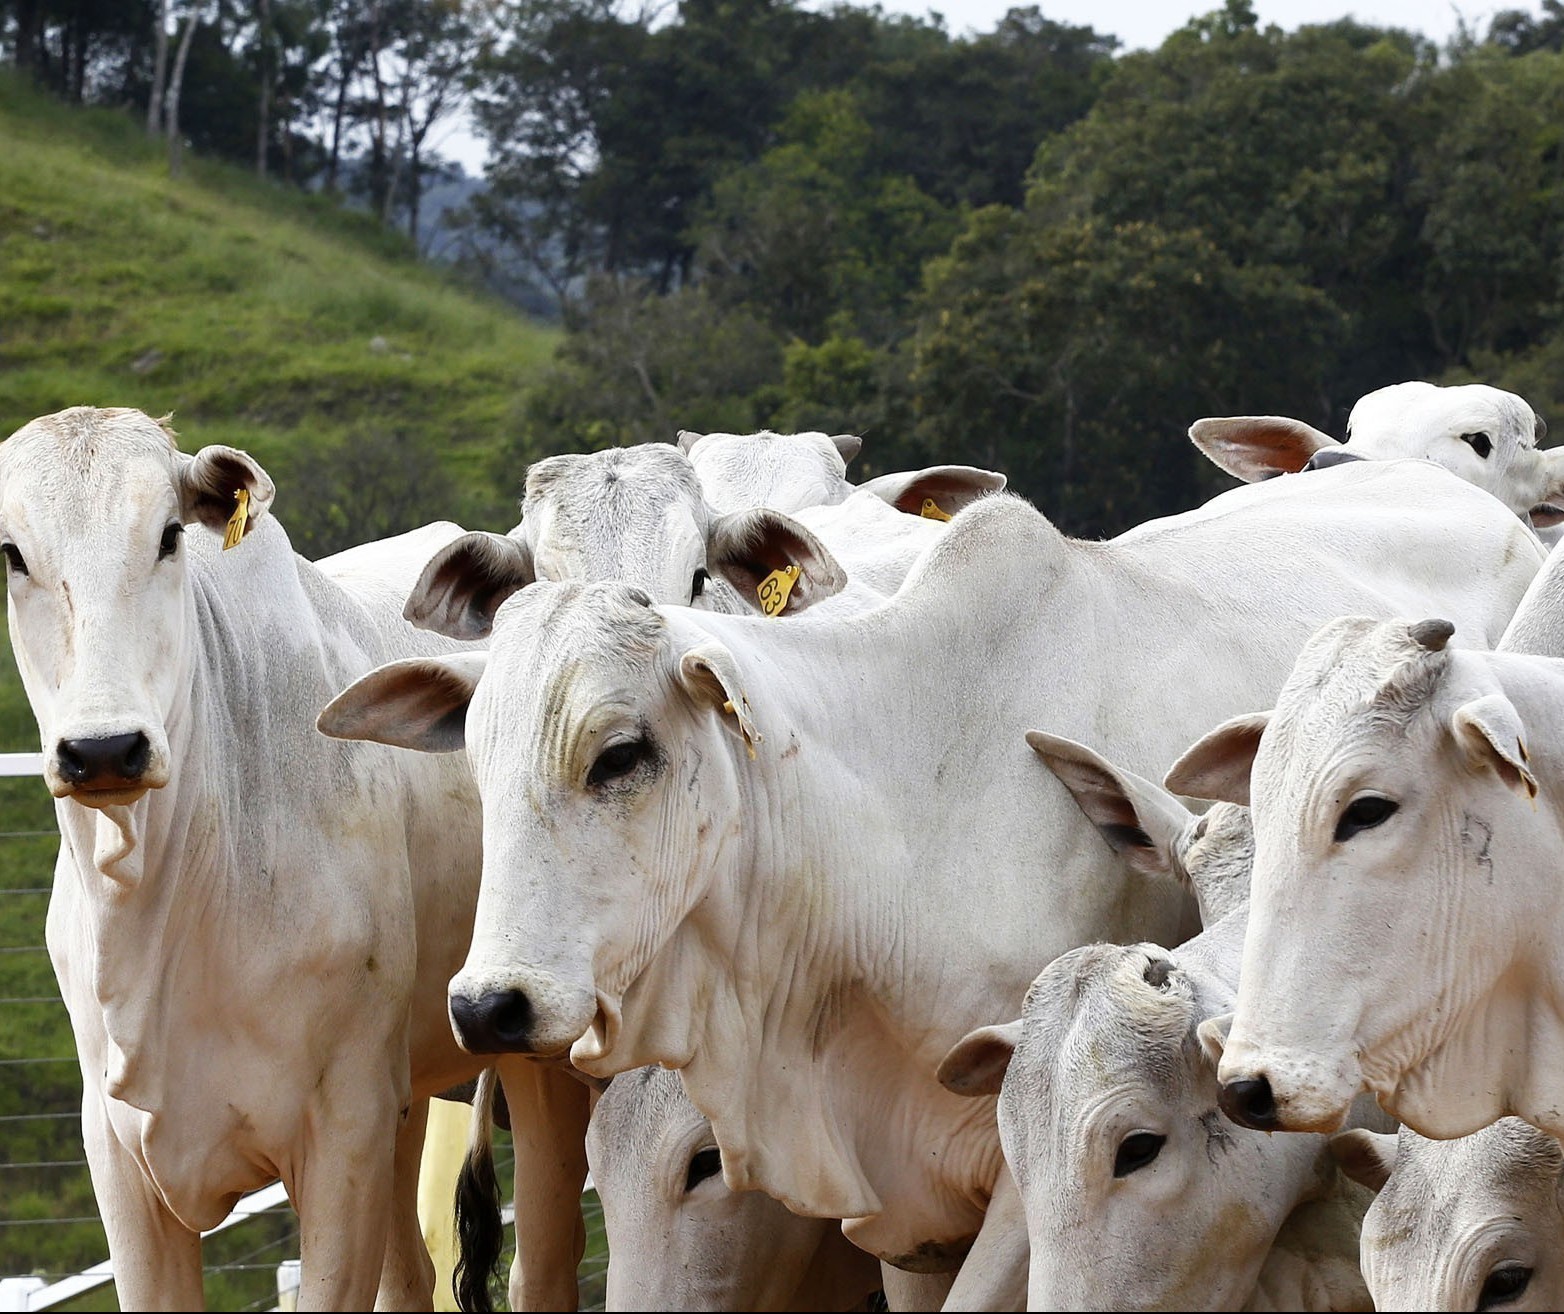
(776, 588)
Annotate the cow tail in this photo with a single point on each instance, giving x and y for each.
(479, 1231)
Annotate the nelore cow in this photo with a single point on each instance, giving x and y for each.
(1138, 1193)
(1473, 1223)
(1483, 434)
(252, 925)
(798, 862)
(1406, 898)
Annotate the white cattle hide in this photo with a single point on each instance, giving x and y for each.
(799, 862)
(1485, 435)
(1137, 1193)
(1473, 1223)
(252, 926)
(680, 1239)
(1407, 899)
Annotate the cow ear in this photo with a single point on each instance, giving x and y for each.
(746, 547)
(419, 703)
(1367, 1158)
(977, 1063)
(464, 583)
(209, 483)
(1212, 1035)
(687, 439)
(1490, 733)
(1256, 447)
(710, 676)
(948, 487)
(848, 444)
(1549, 510)
(1217, 767)
(1140, 820)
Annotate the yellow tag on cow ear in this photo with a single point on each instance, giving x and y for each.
(238, 520)
(931, 510)
(776, 588)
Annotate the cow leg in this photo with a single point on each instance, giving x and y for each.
(548, 1120)
(407, 1276)
(341, 1186)
(157, 1259)
(994, 1273)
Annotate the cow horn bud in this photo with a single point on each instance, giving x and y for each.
(1432, 634)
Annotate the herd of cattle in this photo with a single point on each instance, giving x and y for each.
(824, 819)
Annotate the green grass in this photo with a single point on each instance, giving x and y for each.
(269, 320)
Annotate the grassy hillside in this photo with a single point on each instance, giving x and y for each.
(375, 390)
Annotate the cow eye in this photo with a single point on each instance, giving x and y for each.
(169, 544)
(706, 1163)
(1504, 1284)
(13, 558)
(698, 584)
(1479, 443)
(1363, 813)
(619, 760)
(1136, 1151)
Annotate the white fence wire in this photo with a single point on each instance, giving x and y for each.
(50, 1233)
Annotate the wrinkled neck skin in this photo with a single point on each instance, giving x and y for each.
(843, 943)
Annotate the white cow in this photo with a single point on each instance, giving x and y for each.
(680, 1239)
(798, 862)
(252, 926)
(1473, 1223)
(1138, 1194)
(1406, 900)
(1486, 435)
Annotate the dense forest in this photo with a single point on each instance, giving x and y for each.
(1021, 248)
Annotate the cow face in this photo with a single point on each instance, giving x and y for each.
(93, 509)
(1473, 1223)
(1388, 789)
(679, 1238)
(1138, 1193)
(600, 733)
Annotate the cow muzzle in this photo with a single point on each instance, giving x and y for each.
(104, 770)
(533, 1013)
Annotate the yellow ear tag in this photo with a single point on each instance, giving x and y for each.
(931, 510)
(776, 588)
(238, 520)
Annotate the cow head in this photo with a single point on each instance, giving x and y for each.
(633, 514)
(93, 509)
(678, 1237)
(1473, 1223)
(1388, 788)
(602, 734)
(1138, 1193)
(787, 471)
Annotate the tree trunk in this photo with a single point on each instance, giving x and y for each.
(176, 143)
(379, 188)
(159, 73)
(263, 39)
(27, 35)
(348, 69)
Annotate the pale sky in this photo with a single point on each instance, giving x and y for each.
(1140, 24)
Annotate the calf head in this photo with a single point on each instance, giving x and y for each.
(1476, 1223)
(678, 1237)
(786, 471)
(1138, 1193)
(93, 505)
(602, 735)
(1389, 791)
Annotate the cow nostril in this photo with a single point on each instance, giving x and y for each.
(118, 759)
(1250, 1103)
(498, 1022)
